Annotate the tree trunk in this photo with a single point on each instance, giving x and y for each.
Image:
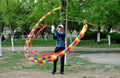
(12, 40)
(98, 33)
(63, 15)
(1, 31)
(0, 44)
(109, 39)
(98, 37)
(45, 36)
(70, 36)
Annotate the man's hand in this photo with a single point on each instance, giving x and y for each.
(52, 28)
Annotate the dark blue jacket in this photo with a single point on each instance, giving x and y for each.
(60, 38)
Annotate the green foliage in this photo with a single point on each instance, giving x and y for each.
(104, 35)
(24, 14)
(92, 35)
(9, 13)
(115, 37)
(104, 11)
(89, 35)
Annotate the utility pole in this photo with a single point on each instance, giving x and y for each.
(64, 9)
(66, 27)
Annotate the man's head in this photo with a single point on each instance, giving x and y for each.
(60, 28)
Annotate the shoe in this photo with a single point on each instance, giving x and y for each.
(62, 73)
(53, 72)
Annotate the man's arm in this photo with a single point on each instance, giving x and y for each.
(61, 35)
(56, 34)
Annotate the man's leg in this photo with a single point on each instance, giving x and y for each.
(62, 65)
(55, 62)
(54, 66)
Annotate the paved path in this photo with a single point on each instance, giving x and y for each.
(105, 58)
(75, 49)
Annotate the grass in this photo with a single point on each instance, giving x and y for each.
(51, 42)
(9, 61)
(37, 42)
(16, 61)
(102, 44)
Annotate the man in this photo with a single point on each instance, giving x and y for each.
(59, 36)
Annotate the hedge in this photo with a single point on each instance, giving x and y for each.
(93, 35)
(115, 37)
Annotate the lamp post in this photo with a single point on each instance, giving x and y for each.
(66, 27)
(64, 4)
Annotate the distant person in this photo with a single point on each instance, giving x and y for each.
(59, 36)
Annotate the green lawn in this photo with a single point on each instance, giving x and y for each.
(51, 42)
(37, 42)
(16, 61)
(102, 44)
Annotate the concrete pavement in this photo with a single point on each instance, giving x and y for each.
(75, 49)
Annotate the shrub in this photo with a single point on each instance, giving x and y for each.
(93, 35)
(90, 35)
(103, 35)
(115, 37)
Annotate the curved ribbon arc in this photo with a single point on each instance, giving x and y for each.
(51, 57)
(36, 35)
(28, 39)
(41, 29)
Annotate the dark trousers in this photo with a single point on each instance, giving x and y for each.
(57, 49)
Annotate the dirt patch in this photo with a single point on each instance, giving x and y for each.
(77, 73)
(41, 74)
(105, 58)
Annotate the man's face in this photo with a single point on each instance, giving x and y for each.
(60, 29)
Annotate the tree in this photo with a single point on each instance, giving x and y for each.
(11, 18)
(1, 36)
(102, 13)
(1, 27)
